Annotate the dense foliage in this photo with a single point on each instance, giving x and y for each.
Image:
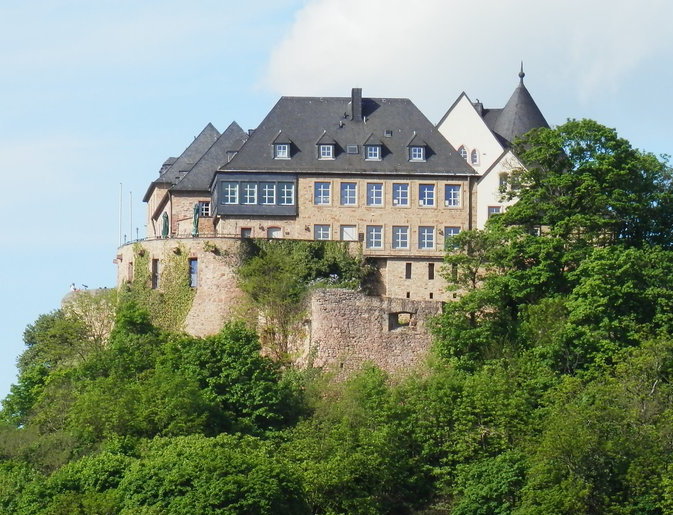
(549, 391)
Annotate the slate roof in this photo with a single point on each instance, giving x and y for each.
(302, 122)
(198, 177)
(520, 115)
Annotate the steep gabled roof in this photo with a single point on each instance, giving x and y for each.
(387, 121)
(520, 115)
(174, 169)
(199, 176)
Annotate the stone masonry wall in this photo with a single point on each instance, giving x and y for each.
(348, 328)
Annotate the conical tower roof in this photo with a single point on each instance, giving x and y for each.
(519, 115)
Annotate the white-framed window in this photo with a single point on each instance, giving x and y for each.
(229, 192)
(373, 152)
(248, 193)
(374, 237)
(281, 151)
(426, 194)
(494, 210)
(452, 195)
(474, 157)
(449, 233)
(463, 152)
(321, 232)
(267, 193)
(348, 194)
(204, 208)
(321, 193)
(286, 193)
(400, 194)
(326, 152)
(348, 233)
(374, 193)
(417, 153)
(400, 237)
(426, 237)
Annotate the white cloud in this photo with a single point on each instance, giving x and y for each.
(431, 50)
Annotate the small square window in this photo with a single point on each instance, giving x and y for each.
(417, 153)
(348, 233)
(204, 208)
(494, 210)
(281, 151)
(352, 149)
(326, 152)
(373, 152)
(321, 232)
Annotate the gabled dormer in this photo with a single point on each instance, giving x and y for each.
(417, 148)
(327, 146)
(282, 146)
(373, 148)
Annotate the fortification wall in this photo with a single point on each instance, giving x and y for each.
(348, 328)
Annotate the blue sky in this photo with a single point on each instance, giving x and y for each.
(94, 94)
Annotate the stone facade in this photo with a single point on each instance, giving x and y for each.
(348, 329)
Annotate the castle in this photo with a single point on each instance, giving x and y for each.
(371, 171)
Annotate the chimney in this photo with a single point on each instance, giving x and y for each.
(356, 104)
(479, 107)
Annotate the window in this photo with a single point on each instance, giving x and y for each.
(155, 274)
(493, 210)
(281, 151)
(400, 194)
(417, 153)
(452, 195)
(426, 194)
(348, 194)
(267, 193)
(274, 232)
(426, 237)
(463, 152)
(248, 193)
(431, 271)
(321, 232)
(375, 194)
(286, 193)
(348, 233)
(246, 232)
(193, 272)
(321, 193)
(374, 237)
(474, 157)
(326, 152)
(449, 233)
(229, 192)
(407, 273)
(373, 152)
(204, 208)
(352, 149)
(400, 237)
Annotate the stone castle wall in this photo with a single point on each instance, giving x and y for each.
(343, 328)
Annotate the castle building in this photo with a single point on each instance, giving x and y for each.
(484, 137)
(372, 171)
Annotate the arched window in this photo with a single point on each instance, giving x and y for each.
(463, 152)
(474, 157)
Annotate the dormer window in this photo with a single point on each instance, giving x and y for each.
(463, 152)
(326, 152)
(281, 151)
(373, 152)
(416, 153)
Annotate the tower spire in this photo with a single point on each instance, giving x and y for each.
(521, 74)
